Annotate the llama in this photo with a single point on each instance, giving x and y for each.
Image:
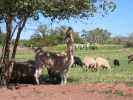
(56, 61)
(52, 73)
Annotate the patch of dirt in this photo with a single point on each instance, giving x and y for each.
(97, 91)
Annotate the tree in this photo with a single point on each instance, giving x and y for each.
(60, 34)
(97, 35)
(77, 38)
(15, 13)
(40, 37)
(127, 42)
(44, 36)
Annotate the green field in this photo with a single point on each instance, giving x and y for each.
(123, 73)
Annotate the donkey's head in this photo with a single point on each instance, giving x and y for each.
(69, 33)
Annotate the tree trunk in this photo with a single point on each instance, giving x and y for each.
(2, 54)
(15, 47)
(6, 69)
(6, 51)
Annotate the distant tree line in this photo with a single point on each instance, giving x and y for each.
(97, 36)
(127, 42)
(45, 36)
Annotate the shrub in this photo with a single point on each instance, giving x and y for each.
(60, 47)
(93, 47)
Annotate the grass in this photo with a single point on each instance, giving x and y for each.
(40, 93)
(121, 74)
(108, 92)
(119, 92)
(91, 91)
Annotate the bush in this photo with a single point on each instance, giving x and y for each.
(60, 47)
(93, 47)
(105, 47)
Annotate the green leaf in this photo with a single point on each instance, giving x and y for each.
(55, 9)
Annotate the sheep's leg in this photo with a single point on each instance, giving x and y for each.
(103, 67)
(32, 80)
(95, 69)
(37, 75)
(53, 76)
(83, 66)
(86, 67)
(51, 79)
(92, 69)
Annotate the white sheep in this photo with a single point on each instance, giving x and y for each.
(102, 62)
(89, 63)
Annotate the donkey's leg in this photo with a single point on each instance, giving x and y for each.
(62, 77)
(65, 75)
(37, 75)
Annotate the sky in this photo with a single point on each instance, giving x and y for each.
(119, 22)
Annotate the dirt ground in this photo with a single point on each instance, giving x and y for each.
(97, 91)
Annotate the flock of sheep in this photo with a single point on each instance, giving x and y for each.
(95, 64)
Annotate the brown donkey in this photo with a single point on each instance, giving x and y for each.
(61, 61)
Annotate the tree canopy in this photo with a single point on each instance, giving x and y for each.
(55, 9)
(100, 36)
